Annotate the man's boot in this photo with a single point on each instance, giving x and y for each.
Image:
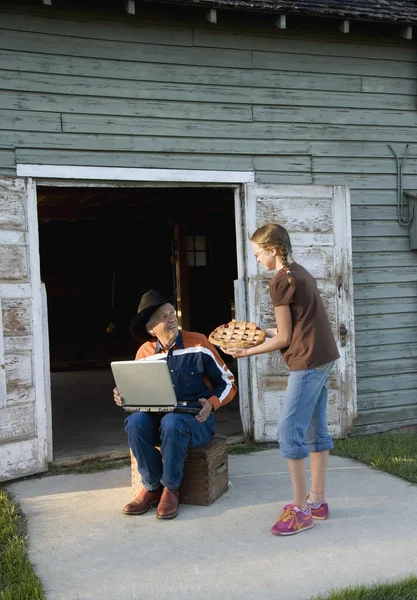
(168, 505)
(143, 502)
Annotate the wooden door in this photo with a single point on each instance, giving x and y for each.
(23, 404)
(318, 221)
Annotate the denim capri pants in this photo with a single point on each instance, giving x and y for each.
(302, 426)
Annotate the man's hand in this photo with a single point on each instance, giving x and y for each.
(117, 398)
(204, 413)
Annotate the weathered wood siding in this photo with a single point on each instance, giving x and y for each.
(173, 91)
(21, 422)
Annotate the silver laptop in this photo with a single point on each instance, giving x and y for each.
(146, 386)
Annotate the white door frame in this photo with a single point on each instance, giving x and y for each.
(80, 176)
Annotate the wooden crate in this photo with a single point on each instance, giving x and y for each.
(206, 473)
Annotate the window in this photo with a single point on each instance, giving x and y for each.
(196, 251)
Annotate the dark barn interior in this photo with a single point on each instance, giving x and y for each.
(101, 249)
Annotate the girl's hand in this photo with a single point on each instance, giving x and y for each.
(235, 352)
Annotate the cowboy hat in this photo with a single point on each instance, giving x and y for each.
(149, 303)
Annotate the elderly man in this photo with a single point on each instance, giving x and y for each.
(200, 378)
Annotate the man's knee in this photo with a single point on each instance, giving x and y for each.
(138, 421)
(173, 424)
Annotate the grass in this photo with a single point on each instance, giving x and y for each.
(88, 466)
(402, 590)
(395, 453)
(17, 578)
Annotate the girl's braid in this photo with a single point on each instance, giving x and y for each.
(284, 258)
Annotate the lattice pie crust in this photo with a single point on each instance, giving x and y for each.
(237, 334)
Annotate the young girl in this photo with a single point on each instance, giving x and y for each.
(305, 338)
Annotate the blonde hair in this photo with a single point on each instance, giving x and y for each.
(275, 237)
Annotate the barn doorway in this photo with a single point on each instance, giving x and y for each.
(101, 248)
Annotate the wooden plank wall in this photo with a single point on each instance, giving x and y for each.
(169, 90)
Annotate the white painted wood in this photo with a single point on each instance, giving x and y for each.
(240, 314)
(17, 458)
(211, 15)
(47, 373)
(132, 174)
(344, 306)
(253, 313)
(130, 7)
(318, 220)
(37, 326)
(407, 33)
(243, 363)
(17, 290)
(12, 237)
(281, 22)
(3, 389)
(22, 412)
(344, 27)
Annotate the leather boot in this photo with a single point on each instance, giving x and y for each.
(143, 502)
(168, 505)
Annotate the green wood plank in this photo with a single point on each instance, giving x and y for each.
(335, 116)
(365, 354)
(282, 163)
(364, 181)
(283, 178)
(135, 159)
(372, 244)
(7, 159)
(35, 67)
(368, 213)
(218, 89)
(389, 399)
(22, 120)
(324, 46)
(385, 85)
(377, 228)
(380, 337)
(117, 124)
(355, 165)
(116, 30)
(384, 321)
(115, 106)
(381, 291)
(389, 275)
(313, 63)
(365, 149)
(372, 385)
(382, 368)
(288, 151)
(372, 200)
(385, 259)
(388, 415)
(126, 51)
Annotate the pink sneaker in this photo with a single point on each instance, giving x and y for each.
(292, 520)
(319, 511)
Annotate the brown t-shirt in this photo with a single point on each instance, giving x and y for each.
(312, 342)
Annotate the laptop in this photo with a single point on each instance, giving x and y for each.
(146, 386)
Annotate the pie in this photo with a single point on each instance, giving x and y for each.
(237, 334)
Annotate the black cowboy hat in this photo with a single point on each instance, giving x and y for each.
(149, 303)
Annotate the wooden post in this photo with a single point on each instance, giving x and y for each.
(211, 16)
(181, 275)
(344, 27)
(407, 33)
(281, 22)
(130, 7)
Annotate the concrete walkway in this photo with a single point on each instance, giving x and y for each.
(83, 548)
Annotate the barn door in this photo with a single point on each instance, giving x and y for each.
(318, 221)
(23, 421)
